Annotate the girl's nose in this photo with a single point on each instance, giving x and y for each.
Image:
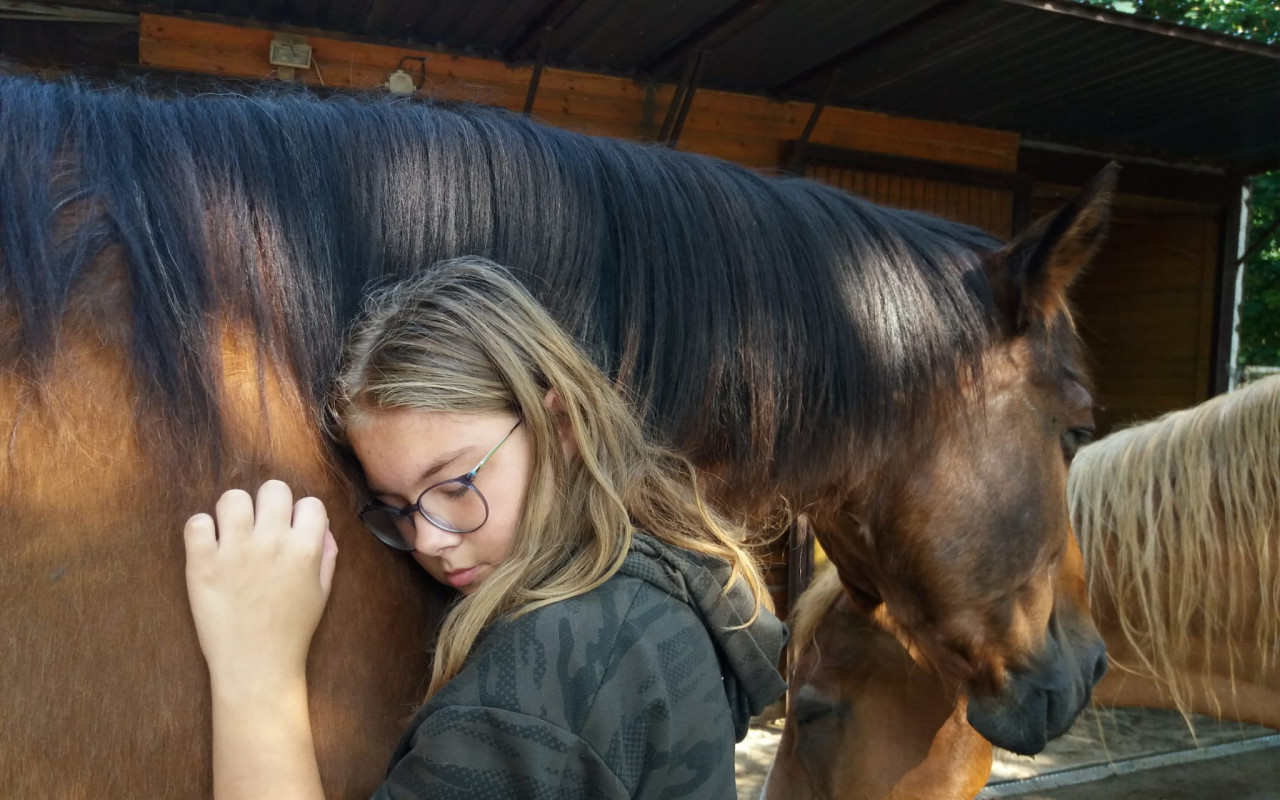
(430, 540)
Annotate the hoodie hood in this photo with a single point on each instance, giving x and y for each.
(749, 655)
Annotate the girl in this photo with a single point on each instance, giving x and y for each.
(612, 637)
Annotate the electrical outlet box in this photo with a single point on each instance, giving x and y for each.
(290, 51)
(400, 82)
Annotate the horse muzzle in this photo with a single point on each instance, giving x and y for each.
(1041, 703)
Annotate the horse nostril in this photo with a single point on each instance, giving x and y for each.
(1100, 666)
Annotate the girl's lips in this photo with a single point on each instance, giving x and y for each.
(462, 577)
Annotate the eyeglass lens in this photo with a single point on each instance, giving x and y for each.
(454, 506)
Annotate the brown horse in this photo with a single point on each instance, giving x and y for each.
(864, 718)
(1180, 518)
(175, 276)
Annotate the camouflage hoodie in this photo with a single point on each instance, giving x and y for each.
(637, 689)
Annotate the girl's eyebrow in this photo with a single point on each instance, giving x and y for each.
(431, 469)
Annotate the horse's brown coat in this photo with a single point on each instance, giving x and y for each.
(91, 538)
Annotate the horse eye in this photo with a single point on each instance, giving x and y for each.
(809, 706)
(1074, 439)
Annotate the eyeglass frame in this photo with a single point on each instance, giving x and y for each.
(407, 512)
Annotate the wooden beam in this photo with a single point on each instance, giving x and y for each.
(796, 162)
(677, 99)
(686, 102)
(538, 65)
(915, 168)
(1137, 177)
(744, 128)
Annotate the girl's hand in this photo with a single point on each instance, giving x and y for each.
(258, 584)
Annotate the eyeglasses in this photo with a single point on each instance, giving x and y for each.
(455, 505)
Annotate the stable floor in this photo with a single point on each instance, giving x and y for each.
(1135, 754)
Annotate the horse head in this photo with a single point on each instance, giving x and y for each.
(871, 717)
(963, 545)
(864, 718)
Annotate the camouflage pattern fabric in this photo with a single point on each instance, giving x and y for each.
(637, 689)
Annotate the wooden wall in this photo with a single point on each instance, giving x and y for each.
(749, 130)
(987, 208)
(1146, 308)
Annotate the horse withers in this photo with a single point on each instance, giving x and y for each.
(175, 276)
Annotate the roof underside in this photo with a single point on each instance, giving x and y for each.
(1050, 70)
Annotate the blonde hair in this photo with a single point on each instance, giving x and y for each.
(464, 336)
(1179, 521)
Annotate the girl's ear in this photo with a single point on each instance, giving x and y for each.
(564, 429)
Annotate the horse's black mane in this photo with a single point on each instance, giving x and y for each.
(760, 319)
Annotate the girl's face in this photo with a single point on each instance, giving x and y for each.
(405, 451)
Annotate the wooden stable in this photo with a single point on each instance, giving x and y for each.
(1156, 309)
(747, 130)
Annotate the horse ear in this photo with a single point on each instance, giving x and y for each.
(1030, 276)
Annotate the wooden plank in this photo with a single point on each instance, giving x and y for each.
(608, 103)
(1167, 316)
(1183, 338)
(1168, 277)
(1149, 386)
(1208, 313)
(1088, 302)
(1050, 197)
(1126, 351)
(1168, 367)
(1145, 404)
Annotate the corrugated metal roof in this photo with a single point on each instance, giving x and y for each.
(1050, 69)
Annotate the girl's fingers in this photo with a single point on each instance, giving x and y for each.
(275, 507)
(201, 537)
(328, 560)
(235, 516)
(310, 520)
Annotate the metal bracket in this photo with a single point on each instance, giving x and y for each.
(796, 164)
(682, 100)
(541, 62)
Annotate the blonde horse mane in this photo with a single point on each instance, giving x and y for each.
(1179, 521)
(812, 606)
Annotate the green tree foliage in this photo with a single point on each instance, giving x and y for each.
(1258, 20)
(1260, 308)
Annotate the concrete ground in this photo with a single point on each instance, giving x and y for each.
(1247, 776)
(755, 754)
(1134, 754)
